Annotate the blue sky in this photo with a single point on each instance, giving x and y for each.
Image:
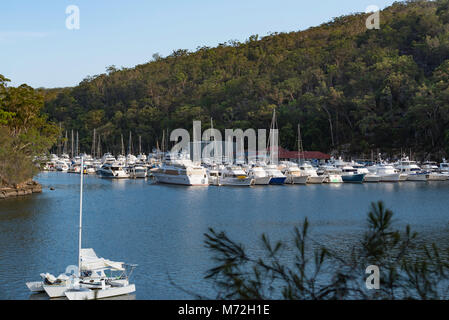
(36, 47)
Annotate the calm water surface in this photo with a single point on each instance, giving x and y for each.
(161, 227)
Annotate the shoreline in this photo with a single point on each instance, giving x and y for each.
(21, 190)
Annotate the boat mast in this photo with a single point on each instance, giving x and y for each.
(99, 146)
(81, 216)
(93, 145)
(273, 141)
(300, 146)
(140, 144)
(129, 144)
(65, 143)
(72, 155)
(77, 144)
(123, 146)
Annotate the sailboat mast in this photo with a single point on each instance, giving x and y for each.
(77, 144)
(129, 144)
(81, 216)
(93, 145)
(72, 155)
(140, 144)
(300, 147)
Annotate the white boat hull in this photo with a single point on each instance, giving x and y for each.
(316, 179)
(436, 177)
(372, 178)
(88, 294)
(56, 291)
(417, 177)
(262, 181)
(194, 180)
(394, 177)
(333, 178)
(235, 182)
(296, 179)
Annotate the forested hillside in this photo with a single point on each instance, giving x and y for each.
(24, 132)
(350, 88)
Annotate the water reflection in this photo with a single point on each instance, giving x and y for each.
(161, 227)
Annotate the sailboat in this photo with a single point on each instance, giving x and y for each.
(100, 285)
(92, 281)
(277, 177)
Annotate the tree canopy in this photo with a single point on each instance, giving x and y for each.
(24, 132)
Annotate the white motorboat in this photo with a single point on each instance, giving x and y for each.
(108, 158)
(213, 175)
(137, 171)
(331, 174)
(277, 177)
(294, 174)
(62, 166)
(112, 171)
(312, 176)
(432, 170)
(444, 168)
(411, 169)
(386, 172)
(180, 170)
(259, 175)
(235, 176)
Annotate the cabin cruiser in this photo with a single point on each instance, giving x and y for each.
(349, 174)
(386, 172)
(108, 158)
(277, 177)
(113, 171)
(259, 175)
(432, 170)
(330, 173)
(371, 177)
(294, 174)
(179, 169)
(62, 166)
(411, 169)
(131, 159)
(233, 175)
(312, 176)
(121, 159)
(137, 171)
(213, 176)
(444, 168)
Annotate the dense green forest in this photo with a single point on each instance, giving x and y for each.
(24, 132)
(352, 89)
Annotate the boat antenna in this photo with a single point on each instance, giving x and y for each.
(81, 215)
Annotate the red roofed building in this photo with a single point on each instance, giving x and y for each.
(285, 154)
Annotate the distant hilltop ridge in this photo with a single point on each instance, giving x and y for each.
(350, 88)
